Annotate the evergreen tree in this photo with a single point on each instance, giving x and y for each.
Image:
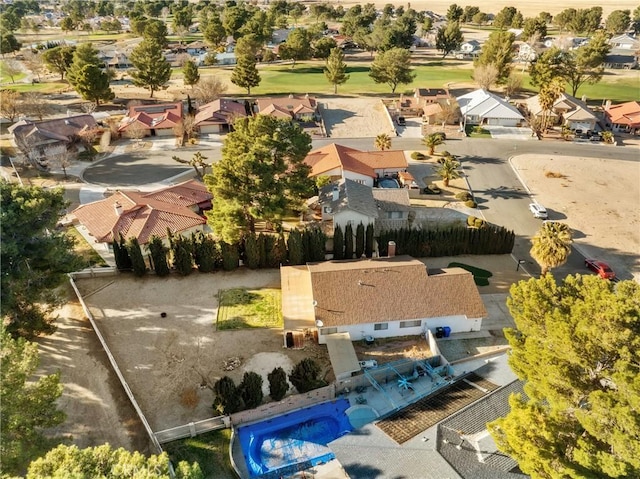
(228, 399)
(86, 76)
(278, 385)
(449, 38)
(190, 72)
(338, 243)
(295, 248)
(182, 252)
(336, 69)
(498, 51)
(368, 243)
(348, 241)
(265, 244)
(392, 67)
(123, 260)
(251, 251)
(158, 253)
(152, 70)
(359, 240)
(245, 73)
(59, 59)
(205, 252)
(230, 256)
(251, 389)
(297, 47)
(305, 376)
(137, 259)
(278, 254)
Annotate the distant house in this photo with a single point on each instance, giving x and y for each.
(39, 140)
(338, 161)
(301, 108)
(226, 58)
(567, 111)
(217, 116)
(624, 42)
(177, 208)
(481, 107)
(470, 49)
(348, 202)
(624, 117)
(196, 47)
(381, 298)
(154, 120)
(621, 58)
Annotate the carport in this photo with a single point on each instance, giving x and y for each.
(342, 355)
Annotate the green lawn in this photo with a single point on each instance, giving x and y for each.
(48, 87)
(84, 249)
(480, 276)
(241, 308)
(4, 78)
(210, 450)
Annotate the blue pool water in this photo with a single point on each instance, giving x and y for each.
(388, 183)
(293, 441)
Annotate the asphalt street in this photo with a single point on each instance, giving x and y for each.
(502, 198)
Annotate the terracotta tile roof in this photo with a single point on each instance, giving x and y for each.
(161, 116)
(334, 156)
(625, 113)
(390, 289)
(188, 194)
(220, 111)
(142, 215)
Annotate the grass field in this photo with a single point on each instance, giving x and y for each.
(4, 78)
(210, 450)
(242, 308)
(84, 249)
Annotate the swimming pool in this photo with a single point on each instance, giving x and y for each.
(388, 183)
(293, 441)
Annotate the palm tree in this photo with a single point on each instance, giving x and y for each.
(448, 170)
(547, 97)
(431, 141)
(383, 142)
(551, 245)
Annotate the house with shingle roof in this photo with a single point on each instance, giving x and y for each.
(338, 161)
(567, 111)
(301, 108)
(217, 116)
(624, 117)
(39, 140)
(177, 208)
(156, 120)
(349, 202)
(379, 297)
(481, 107)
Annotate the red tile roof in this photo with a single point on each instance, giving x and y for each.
(287, 104)
(334, 156)
(220, 111)
(161, 116)
(625, 114)
(143, 215)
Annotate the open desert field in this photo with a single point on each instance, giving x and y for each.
(528, 9)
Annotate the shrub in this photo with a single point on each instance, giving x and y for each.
(416, 155)
(471, 220)
(479, 223)
(470, 204)
(338, 243)
(251, 389)
(305, 376)
(227, 399)
(464, 196)
(278, 385)
(432, 189)
(137, 260)
(158, 253)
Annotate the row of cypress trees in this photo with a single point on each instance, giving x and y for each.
(301, 247)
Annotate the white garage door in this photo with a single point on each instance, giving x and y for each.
(501, 122)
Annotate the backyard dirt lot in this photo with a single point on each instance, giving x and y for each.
(597, 197)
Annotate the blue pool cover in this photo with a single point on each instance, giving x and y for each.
(294, 441)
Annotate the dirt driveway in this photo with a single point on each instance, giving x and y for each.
(355, 118)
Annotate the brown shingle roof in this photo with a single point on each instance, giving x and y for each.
(142, 215)
(290, 104)
(390, 289)
(58, 129)
(219, 111)
(334, 156)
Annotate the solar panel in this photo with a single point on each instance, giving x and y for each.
(153, 108)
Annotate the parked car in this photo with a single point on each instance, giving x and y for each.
(401, 121)
(601, 268)
(538, 211)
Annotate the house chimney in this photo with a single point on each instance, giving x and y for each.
(335, 194)
(118, 208)
(391, 249)
(607, 105)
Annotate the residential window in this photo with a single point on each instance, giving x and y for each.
(411, 324)
(380, 326)
(362, 182)
(394, 215)
(326, 331)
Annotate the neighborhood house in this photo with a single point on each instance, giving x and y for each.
(152, 120)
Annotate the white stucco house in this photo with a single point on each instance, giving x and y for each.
(567, 111)
(380, 298)
(481, 107)
(341, 162)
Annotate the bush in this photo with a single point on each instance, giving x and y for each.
(471, 220)
(251, 389)
(432, 189)
(305, 376)
(464, 196)
(470, 204)
(227, 399)
(278, 385)
(416, 155)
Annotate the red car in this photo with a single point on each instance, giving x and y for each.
(600, 267)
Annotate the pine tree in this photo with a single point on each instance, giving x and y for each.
(152, 70)
(368, 243)
(230, 256)
(359, 240)
(245, 74)
(278, 385)
(158, 253)
(137, 259)
(191, 75)
(295, 248)
(251, 251)
(86, 76)
(336, 69)
(181, 249)
(251, 389)
(348, 241)
(278, 254)
(205, 252)
(338, 243)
